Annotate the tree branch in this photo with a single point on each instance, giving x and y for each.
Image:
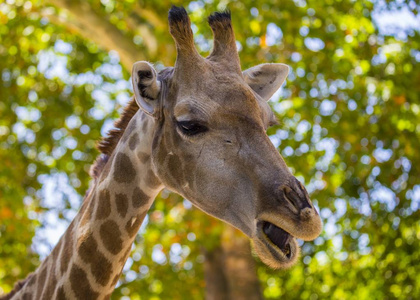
(92, 26)
(150, 16)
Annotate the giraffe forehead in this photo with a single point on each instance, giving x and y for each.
(193, 107)
(212, 81)
(224, 101)
(210, 88)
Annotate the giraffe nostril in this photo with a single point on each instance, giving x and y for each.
(291, 196)
(306, 213)
(298, 199)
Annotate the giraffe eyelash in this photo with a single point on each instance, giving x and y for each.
(191, 128)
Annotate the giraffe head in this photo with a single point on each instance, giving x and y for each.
(210, 143)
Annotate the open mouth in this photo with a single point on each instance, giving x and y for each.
(278, 237)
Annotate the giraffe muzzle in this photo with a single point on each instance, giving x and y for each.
(289, 216)
(296, 194)
(292, 212)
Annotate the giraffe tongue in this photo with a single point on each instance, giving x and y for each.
(278, 236)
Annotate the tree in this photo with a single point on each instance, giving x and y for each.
(348, 127)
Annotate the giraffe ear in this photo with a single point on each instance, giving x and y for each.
(266, 79)
(146, 87)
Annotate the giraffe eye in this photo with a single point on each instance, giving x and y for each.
(191, 127)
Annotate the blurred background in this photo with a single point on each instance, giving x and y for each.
(349, 129)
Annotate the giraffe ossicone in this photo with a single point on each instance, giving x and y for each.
(201, 132)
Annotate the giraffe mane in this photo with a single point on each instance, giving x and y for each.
(18, 286)
(107, 144)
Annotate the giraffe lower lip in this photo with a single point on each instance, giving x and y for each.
(278, 237)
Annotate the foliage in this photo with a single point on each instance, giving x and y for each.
(349, 129)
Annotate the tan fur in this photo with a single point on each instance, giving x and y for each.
(201, 133)
(232, 171)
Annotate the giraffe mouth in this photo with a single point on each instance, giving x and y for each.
(279, 237)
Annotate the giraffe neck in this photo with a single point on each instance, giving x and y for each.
(88, 260)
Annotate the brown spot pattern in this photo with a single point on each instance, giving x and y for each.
(101, 267)
(139, 198)
(56, 250)
(123, 169)
(129, 129)
(67, 250)
(133, 142)
(122, 204)
(152, 180)
(27, 296)
(107, 296)
(42, 277)
(144, 157)
(32, 280)
(87, 214)
(125, 256)
(144, 127)
(111, 236)
(175, 169)
(104, 204)
(80, 284)
(51, 285)
(115, 280)
(131, 227)
(160, 148)
(61, 294)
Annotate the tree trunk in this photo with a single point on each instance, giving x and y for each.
(230, 270)
(217, 287)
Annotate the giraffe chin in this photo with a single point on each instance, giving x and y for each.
(275, 247)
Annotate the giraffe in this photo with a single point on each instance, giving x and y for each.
(198, 129)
